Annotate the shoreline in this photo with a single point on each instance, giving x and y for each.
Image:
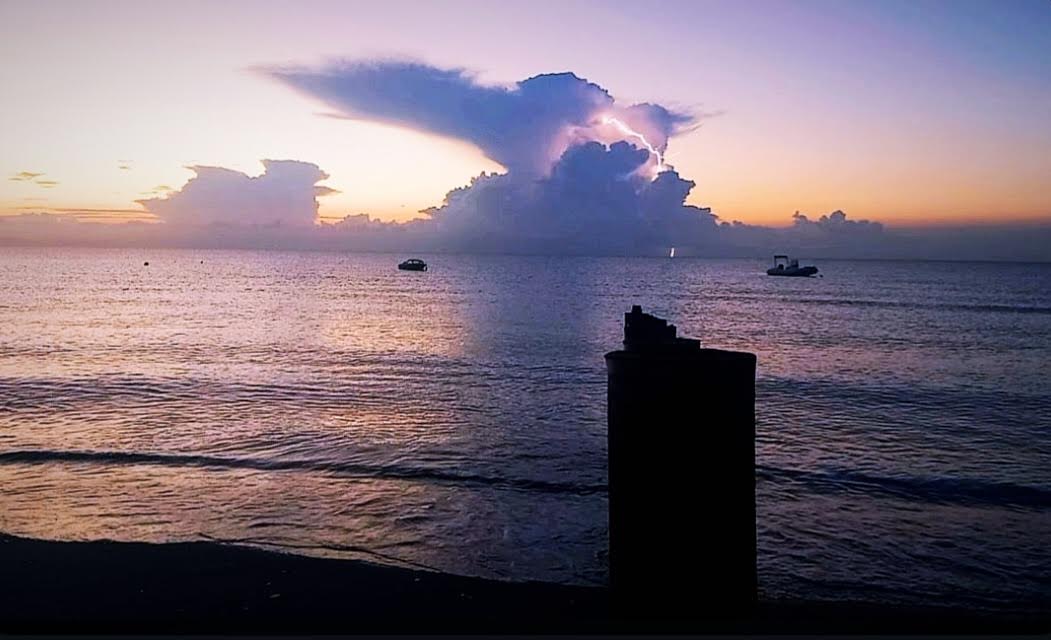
(117, 587)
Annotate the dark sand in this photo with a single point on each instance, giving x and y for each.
(114, 587)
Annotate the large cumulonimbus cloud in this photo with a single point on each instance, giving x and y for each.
(525, 127)
(584, 173)
(593, 201)
(285, 194)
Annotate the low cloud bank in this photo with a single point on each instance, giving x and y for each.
(285, 194)
(1018, 243)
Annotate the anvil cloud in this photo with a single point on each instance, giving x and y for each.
(525, 127)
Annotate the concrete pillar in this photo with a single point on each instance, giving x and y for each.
(681, 475)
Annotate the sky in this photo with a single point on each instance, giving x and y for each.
(917, 115)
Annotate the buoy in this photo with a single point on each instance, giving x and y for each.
(145, 264)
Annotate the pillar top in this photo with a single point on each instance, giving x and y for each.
(648, 333)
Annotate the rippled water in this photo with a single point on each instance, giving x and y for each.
(455, 419)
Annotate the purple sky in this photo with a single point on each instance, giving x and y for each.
(909, 113)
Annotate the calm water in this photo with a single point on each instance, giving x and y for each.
(456, 419)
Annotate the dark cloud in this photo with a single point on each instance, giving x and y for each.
(834, 232)
(593, 201)
(525, 127)
(363, 222)
(285, 194)
(835, 224)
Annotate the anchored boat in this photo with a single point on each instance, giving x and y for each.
(783, 266)
(413, 264)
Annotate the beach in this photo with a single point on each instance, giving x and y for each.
(120, 587)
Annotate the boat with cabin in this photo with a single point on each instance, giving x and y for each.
(413, 264)
(783, 266)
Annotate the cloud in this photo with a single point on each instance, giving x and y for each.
(525, 127)
(835, 224)
(834, 231)
(831, 235)
(81, 210)
(363, 222)
(593, 201)
(572, 184)
(583, 177)
(80, 213)
(30, 176)
(285, 194)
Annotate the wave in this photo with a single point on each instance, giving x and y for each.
(1029, 410)
(955, 491)
(886, 304)
(936, 490)
(937, 306)
(438, 476)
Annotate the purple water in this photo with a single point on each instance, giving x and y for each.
(455, 419)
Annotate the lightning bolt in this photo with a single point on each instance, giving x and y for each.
(631, 133)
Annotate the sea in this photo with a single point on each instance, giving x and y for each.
(329, 404)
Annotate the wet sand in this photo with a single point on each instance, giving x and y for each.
(115, 587)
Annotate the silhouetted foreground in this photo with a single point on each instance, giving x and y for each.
(87, 587)
(681, 432)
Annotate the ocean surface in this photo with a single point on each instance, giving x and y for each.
(329, 404)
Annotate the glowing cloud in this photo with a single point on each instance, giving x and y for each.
(631, 133)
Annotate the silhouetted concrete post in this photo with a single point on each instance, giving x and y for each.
(681, 474)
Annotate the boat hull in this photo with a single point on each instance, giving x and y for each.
(802, 272)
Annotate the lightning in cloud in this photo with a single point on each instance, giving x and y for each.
(631, 133)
